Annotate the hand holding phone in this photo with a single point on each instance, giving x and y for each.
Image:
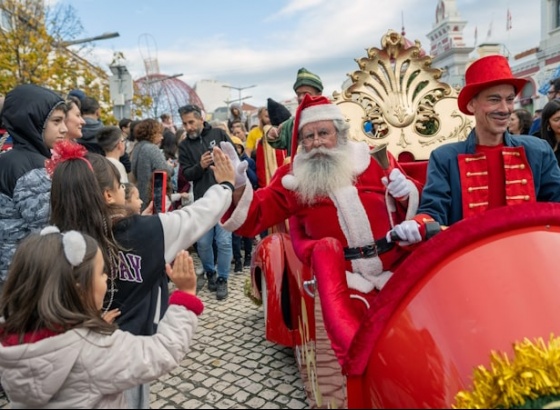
(159, 191)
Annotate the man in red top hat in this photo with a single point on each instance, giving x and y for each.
(334, 194)
(491, 168)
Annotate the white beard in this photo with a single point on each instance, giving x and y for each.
(321, 172)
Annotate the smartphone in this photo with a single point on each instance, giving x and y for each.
(211, 150)
(159, 191)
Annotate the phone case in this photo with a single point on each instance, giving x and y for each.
(159, 191)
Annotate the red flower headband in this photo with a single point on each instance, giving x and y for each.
(64, 151)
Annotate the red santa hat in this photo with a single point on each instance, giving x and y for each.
(313, 109)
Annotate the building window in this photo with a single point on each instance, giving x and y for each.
(557, 14)
(5, 20)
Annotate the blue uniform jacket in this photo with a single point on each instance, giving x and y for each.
(442, 198)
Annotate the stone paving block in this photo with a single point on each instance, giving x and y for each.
(283, 400)
(231, 390)
(284, 388)
(245, 372)
(231, 367)
(254, 388)
(193, 404)
(256, 377)
(160, 404)
(251, 364)
(167, 392)
(241, 396)
(271, 383)
(296, 404)
(200, 392)
(256, 403)
(198, 377)
(268, 394)
(243, 383)
(174, 381)
(209, 382)
(231, 377)
(220, 386)
(217, 372)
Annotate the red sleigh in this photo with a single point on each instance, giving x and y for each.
(479, 287)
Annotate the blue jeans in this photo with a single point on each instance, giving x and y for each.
(239, 242)
(206, 252)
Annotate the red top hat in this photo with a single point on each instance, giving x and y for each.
(484, 73)
(313, 109)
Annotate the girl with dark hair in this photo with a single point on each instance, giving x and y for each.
(550, 125)
(520, 122)
(55, 339)
(74, 120)
(87, 195)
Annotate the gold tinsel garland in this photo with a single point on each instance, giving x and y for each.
(534, 372)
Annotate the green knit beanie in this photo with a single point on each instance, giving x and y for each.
(305, 77)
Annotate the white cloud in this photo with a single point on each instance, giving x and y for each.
(325, 36)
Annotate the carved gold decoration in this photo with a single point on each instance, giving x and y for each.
(397, 90)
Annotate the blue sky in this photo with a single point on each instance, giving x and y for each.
(265, 42)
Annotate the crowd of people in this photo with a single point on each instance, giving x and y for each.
(77, 221)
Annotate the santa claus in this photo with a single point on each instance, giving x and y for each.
(340, 204)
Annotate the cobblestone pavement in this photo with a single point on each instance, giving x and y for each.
(230, 364)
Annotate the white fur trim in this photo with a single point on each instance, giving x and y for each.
(360, 156)
(358, 282)
(320, 113)
(289, 182)
(241, 211)
(351, 216)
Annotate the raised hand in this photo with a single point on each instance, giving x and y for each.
(397, 185)
(111, 315)
(239, 166)
(223, 167)
(182, 274)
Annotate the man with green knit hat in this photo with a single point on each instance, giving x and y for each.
(306, 83)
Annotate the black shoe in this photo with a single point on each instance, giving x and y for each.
(238, 267)
(211, 281)
(200, 282)
(222, 290)
(247, 262)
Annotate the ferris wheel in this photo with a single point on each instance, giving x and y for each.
(167, 92)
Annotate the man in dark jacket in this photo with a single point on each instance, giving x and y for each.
(34, 117)
(195, 158)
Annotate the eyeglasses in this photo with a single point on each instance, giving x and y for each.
(187, 109)
(551, 92)
(321, 135)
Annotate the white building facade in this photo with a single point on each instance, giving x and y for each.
(539, 64)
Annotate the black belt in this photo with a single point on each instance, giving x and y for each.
(380, 246)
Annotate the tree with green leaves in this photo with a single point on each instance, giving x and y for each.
(32, 51)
